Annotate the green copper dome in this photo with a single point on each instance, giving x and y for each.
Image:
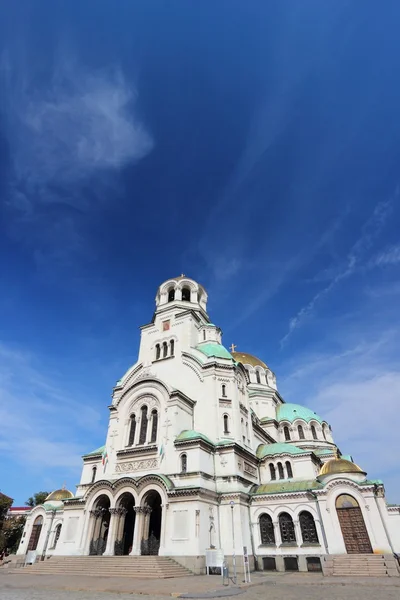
(291, 412)
(278, 448)
(214, 349)
(191, 434)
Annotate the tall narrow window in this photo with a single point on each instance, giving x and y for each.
(324, 431)
(224, 390)
(132, 430)
(171, 295)
(267, 533)
(287, 433)
(300, 431)
(165, 349)
(158, 351)
(308, 529)
(258, 377)
(183, 463)
(286, 526)
(57, 535)
(154, 424)
(272, 471)
(247, 432)
(289, 469)
(94, 471)
(186, 294)
(226, 424)
(313, 432)
(204, 335)
(172, 347)
(280, 471)
(143, 425)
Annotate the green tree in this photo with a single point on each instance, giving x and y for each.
(5, 503)
(11, 534)
(37, 499)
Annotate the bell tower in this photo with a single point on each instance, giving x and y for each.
(181, 293)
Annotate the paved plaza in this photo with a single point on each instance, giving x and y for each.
(16, 586)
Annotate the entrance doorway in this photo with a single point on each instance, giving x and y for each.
(35, 535)
(354, 531)
(126, 524)
(101, 515)
(152, 527)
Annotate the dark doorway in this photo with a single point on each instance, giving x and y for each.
(126, 525)
(152, 531)
(101, 523)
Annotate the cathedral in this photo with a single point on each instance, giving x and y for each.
(205, 462)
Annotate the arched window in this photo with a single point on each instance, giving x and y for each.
(258, 377)
(308, 529)
(165, 349)
(171, 295)
(287, 433)
(289, 469)
(94, 471)
(224, 390)
(183, 463)
(226, 424)
(286, 526)
(154, 424)
(300, 432)
(172, 347)
(280, 471)
(272, 471)
(324, 431)
(204, 335)
(247, 432)
(35, 535)
(267, 533)
(57, 535)
(313, 432)
(143, 425)
(158, 351)
(132, 431)
(186, 294)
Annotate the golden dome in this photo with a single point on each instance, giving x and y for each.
(339, 465)
(58, 495)
(248, 359)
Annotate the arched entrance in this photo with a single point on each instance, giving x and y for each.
(101, 516)
(152, 524)
(35, 535)
(354, 531)
(126, 524)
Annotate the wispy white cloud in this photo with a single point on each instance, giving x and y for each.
(370, 232)
(390, 256)
(42, 425)
(356, 387)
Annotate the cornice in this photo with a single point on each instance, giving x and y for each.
(137, 450)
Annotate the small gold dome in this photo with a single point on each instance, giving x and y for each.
(339, 465)
(58, 495)
(248, 359)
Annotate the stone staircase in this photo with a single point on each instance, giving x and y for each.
(137, 567)
(360, 565)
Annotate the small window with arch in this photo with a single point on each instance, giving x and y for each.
(286, 432)
(171, 295)
(165, 349)
(289, 470)
(186, 294)
(183, 463)
(172, 347)
(281, 471)
(226, 424)
(258, 378)
(223, 387)
(94, 471)
(272, 471)
(158, 351)
(314, 432)
(300, 431)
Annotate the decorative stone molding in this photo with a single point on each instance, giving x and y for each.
(137, 465)
(248, 468)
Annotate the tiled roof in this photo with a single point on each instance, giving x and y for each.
(291, 412)
(278, 448)
(281, 487)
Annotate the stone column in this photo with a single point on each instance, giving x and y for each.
(297, 529)
(277, 532)
(164, 508)
(137, 532)
(109, 551)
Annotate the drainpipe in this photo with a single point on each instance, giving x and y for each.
(315, 497)
(53, 514)
(376, 488)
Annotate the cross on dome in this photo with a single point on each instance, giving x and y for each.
(233, 347)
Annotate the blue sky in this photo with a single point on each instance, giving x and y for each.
(255, 147)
